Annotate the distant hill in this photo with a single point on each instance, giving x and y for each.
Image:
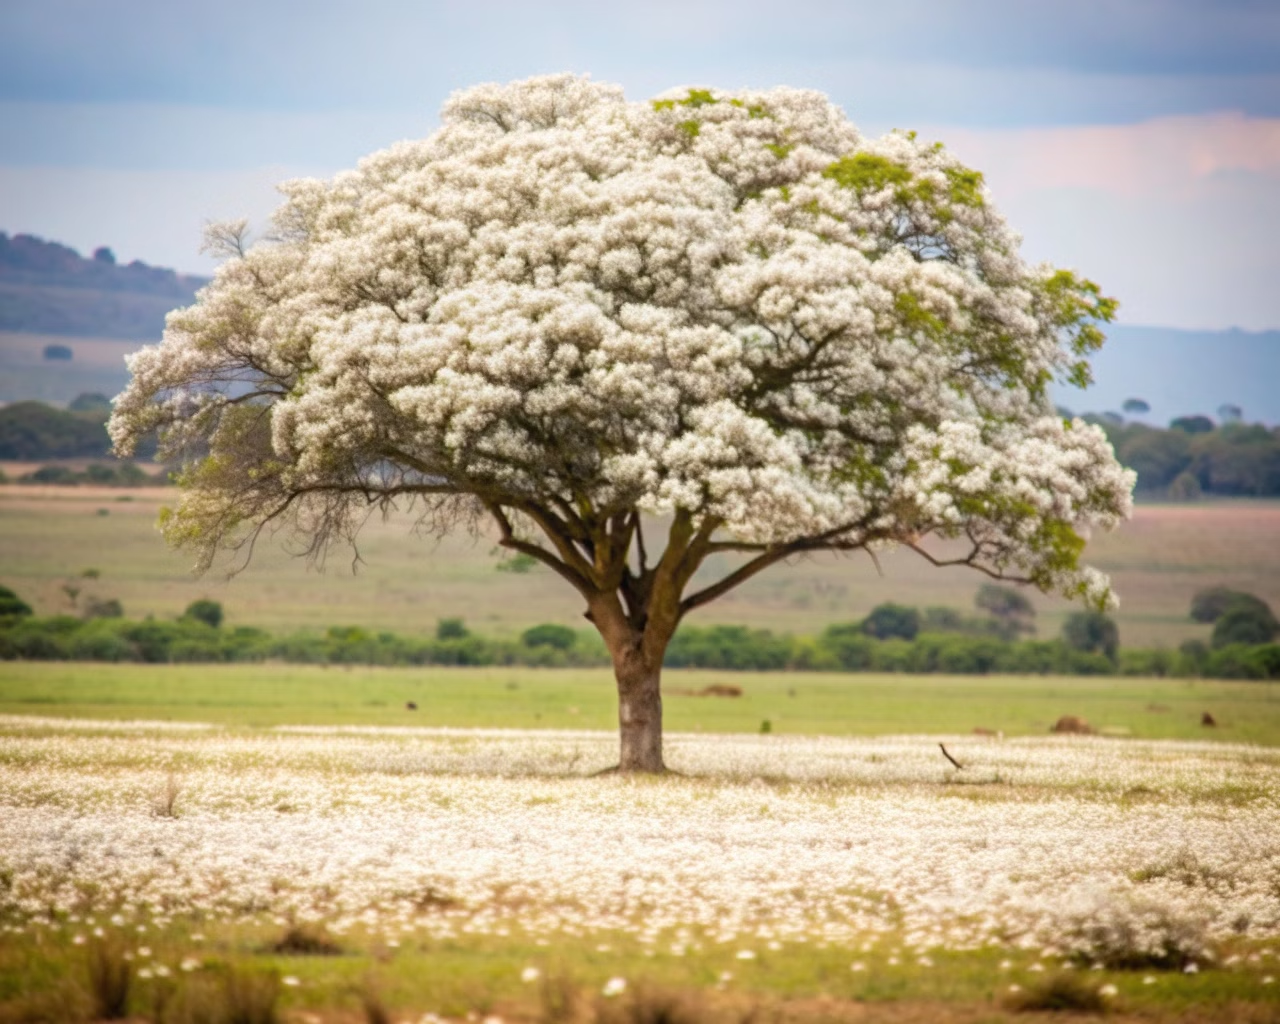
(49, 288)
(1180, 373)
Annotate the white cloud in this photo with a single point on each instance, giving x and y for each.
(1175, 216)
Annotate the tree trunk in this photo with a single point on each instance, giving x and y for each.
(639, 713)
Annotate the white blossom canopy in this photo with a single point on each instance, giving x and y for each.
(729, 307)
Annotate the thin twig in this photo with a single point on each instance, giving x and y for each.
(950, 758)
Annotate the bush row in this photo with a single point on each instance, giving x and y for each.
(840, 648)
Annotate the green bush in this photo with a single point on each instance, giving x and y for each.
(549, 635)
(1158, 662)
(848, 645)
(1210, 604)
(11, 605)
(842, 647)
(206, 611)
(1245, 623)
(729, 647)
(1092, 633)
(888, 621)
(451, 629)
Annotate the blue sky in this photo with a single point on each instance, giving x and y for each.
(1136, 140)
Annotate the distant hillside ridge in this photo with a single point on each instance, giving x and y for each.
(49, 288)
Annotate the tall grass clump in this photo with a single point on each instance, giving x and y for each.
(110, 976)
(1060, 993)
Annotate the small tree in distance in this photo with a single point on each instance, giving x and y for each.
(892, 621)
(564, 312)
(1012, 610)
(206, 611)
(1092, 632)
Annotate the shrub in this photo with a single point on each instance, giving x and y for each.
(888, 621)
(728, 647)
(451, 629)
(1212, 603)
(99, 640)
(1245, 624)
(306, 940)
(1158, 662)
(848, 646)
(11, 605)
(1236, 661)
(206, 611)
(1136, 935)
(1065, 992)
(549, 635)
(1092, 633)
(1012, 609)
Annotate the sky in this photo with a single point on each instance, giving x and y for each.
(1137, 141)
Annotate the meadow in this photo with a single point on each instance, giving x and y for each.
(204, 844)
(405, 582)
(426, 874)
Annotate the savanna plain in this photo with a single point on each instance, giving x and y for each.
(274, 842)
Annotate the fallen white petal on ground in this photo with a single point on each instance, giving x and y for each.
(767, 837)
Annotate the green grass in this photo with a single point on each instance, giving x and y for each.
(796, 703)
(482, 976)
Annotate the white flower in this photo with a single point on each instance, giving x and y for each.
(530, 974)
(1108, 991)
(1149, 980)
(746, 954)
(857, 965)
(290, 980)
(190, 963)
(614, 987)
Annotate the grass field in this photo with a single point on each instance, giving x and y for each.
(97, 365)
(809, 704)
(50, 536)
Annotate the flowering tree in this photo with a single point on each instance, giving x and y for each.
(563, 311)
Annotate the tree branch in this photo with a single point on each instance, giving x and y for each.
(971, 560)
(509, 540)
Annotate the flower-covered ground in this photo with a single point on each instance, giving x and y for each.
(874, 858)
